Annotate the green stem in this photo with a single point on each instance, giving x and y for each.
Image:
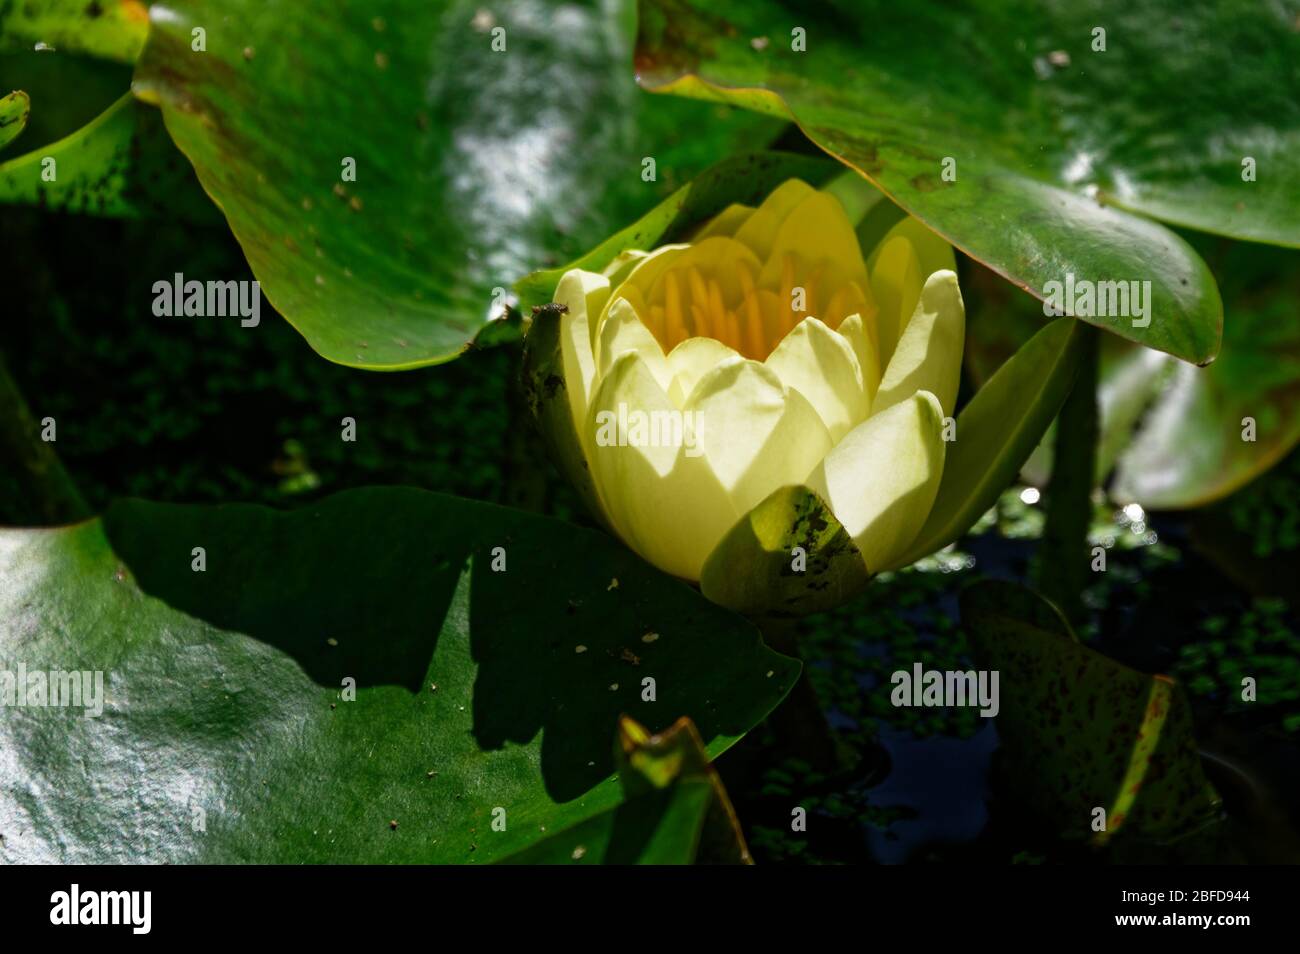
(1063, 564)
(46, 494)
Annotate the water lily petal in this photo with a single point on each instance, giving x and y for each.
(727, 222)
(646, 267)
(997, 430)
(851, 299)
(760, 230)
(756, 434)
(664, 501)
(928, 356)
(821, 365)
(817, 231)
(718, 259)
(693, 359)
(896, 281)
(933, 253)
(881, 480)
(855, 331)
(623, 331)
(584, 295)
(622, 264)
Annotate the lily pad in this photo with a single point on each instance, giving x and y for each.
(486, 142)
(484, 679)
(1175, 436)
(1082, 732)
(1212, 430)
(1011, 131)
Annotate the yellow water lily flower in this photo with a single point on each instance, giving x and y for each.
(762, 392)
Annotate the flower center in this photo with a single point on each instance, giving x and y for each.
(730, 305)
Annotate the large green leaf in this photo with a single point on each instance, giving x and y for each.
(119, 164)
(1048, 136)
(1080, 731)
(473, 166)
(1173, 434)
(225, 688)
(1192, 448)
(1003, 319)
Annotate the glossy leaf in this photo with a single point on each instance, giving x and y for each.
(473, 165)
(1081, 731)
(998, 429)
(1004, 319)
(1212, 430)
(1045, 136)
(120, 164)
(14, 109)
(113, 29)
(676, 811)
(1171, 434)
(484, 679)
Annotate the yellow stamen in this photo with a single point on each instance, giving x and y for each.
(699, 320)
(754, 339)
(717, 312)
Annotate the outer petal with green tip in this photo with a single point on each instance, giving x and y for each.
(756, 569)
